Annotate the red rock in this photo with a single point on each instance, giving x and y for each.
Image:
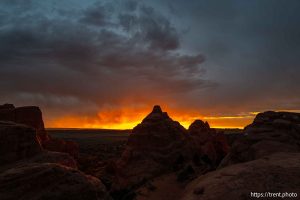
(28, 115)
(269, 133)
(211, 144)
(49, 181)
(154, 147)
(7, 112)
(17, 142)
(199, 126)
(32, 116)
(7, 106)
(60, 145)
(54, 157)
(160, 145)
(27, 171)
(275, 173)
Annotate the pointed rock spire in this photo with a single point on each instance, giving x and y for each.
(156, 109)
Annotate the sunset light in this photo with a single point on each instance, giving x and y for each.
(149, 100)
(128, 118)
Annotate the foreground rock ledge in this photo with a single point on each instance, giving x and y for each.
(27, 171)
(49, 181)
(277, 173)
(269, 133)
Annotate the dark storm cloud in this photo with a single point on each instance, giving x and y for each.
(252, 49)
(131, 5)
(94, 54)
(49, 60)
(151, 26)
(98, 15)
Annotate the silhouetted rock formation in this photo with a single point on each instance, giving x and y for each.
(32, 116)
(49, 181)
(265, 158)
(275, 173)
(212, 145)
(198, 126)
(269, 133)
(154, 146)
(27, 171)
(28, 115)
(158, 145)
(17, 142)
(60, 145)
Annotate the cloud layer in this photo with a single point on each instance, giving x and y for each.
(212, 58)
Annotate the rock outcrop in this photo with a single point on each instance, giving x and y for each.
(27, 171)
(60, 145)
(28, 115)
(265, 158)
(276, 173)
(17, 142)
(155, 146)
(32, 116)
(49, 181)
(160, 145)
(269, 133)
(212, 145)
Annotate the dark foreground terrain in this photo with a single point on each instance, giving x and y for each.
(92, 140)
(97, 147)
(157, 160)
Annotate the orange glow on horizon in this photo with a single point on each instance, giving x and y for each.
(128, 118)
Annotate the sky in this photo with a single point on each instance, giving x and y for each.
(105, 63)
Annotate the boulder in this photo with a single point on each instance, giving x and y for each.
(49, 181)
(275, 173)
(269, 133)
